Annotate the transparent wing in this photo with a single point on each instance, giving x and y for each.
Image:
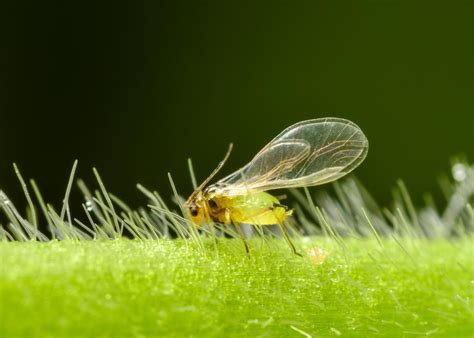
(308, 153)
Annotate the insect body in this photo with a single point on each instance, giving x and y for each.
(307, 153)
(258, 208)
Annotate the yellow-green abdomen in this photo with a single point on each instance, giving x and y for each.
(258, 208)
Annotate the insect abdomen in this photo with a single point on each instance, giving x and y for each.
(257, 208)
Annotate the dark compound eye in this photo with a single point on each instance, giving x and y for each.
(194, 211)
(212, 204)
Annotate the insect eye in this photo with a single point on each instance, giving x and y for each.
(194, 211)
(212, 204)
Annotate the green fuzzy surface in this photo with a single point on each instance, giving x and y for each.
(396, 288)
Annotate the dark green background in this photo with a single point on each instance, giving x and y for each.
(136, 88)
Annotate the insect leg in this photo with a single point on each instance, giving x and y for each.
(242, 236)
(212, 227)
(287, 237)
(239, 230)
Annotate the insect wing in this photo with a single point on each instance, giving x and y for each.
(308, 153)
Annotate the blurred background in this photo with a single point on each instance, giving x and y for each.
(135, 88)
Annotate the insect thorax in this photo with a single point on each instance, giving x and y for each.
(201, 207)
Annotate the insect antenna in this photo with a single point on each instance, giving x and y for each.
(211, 176)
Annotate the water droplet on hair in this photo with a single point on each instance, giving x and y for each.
(459, 172)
